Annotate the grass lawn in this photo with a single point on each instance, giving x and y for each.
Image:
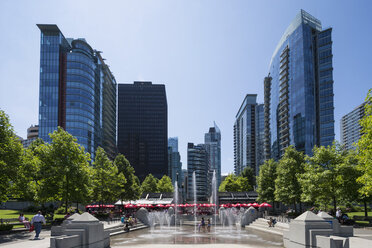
(361, 223)
(10, 214)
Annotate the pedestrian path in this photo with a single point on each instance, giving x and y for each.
(26, 239)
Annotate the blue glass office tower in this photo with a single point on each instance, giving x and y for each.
(299, 89)
(77, 92)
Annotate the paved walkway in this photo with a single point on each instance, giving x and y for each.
(26, 239)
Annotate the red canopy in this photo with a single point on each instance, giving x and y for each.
(255, 205)
(130, 206)
(160, 205)
(264, 204)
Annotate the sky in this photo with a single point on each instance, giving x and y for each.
(209, 54)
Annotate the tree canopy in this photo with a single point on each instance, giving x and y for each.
(248, 173)
(364, 147)
(320, 181)
(233, 183)
(10, 156)
(131, 187)
(64, 169)
(107, 184)
(150, 184)
(287, 185)
(266, 181)
(165, 184)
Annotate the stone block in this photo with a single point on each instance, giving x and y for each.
(65, 241)
(56, 231)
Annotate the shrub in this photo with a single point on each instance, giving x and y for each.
(62, 210)
(31, 209)
(6, 227)
(102, 216)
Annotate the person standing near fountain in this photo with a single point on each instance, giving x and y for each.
(209, 225)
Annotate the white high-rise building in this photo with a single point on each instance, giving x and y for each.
(350, 127)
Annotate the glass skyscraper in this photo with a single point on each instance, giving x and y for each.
(77, 91)
(143, 127)
(249, 135)
(198, 161)
(174, 161)
(212, 141)
(299, 89)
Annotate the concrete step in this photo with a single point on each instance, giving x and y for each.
(121, 230)
(262, 225)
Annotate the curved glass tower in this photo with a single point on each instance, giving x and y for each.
(77, 92)
(299, 89)
(80, 94)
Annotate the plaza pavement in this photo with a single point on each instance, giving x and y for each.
(25, 240)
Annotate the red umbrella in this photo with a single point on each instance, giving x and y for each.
(168, 205)
(238, 205)
(255, 205)
(160, 205)
(264, 204)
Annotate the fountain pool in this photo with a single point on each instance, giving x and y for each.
(185, 235)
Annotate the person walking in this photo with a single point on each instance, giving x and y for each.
(37, 221)
(339, 214)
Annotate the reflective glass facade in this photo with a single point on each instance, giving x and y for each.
(299, 89)
(197, 160)
(212, 141)
(174, 161)
(73, 80)
(245, 135)
(260, 137)
(143, 127)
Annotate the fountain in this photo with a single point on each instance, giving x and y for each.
(194, 192)
(214, 199)
(175, 196)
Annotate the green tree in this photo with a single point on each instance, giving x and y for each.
(320, 182)
(108, 184)
(364, 155)
(26, 186)
(64, 170)
(266, 181)
(347, 175)
(132, 189)
(10, 156)
(287, 185)
(365, 148)
(244, 184)
(165, 184)
(233, 183)
(150, 184)
(248, 173)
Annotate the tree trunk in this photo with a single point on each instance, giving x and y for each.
(365, 208)
(300, 207)
(294, 206)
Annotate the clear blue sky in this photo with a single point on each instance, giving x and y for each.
(209, 54)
